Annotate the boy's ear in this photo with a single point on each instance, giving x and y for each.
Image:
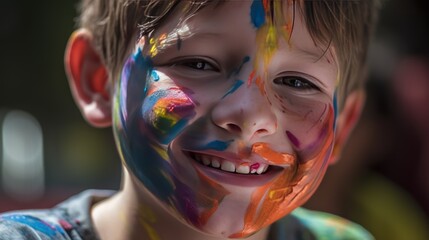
(88, 79)
(346, 121)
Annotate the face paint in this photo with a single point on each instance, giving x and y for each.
(278, 198)
(151, 113)
(225, 157)
(147, 220)
(257, 13)
(234, 88)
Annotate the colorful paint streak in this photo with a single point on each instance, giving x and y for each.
(257, 13)
(234, 88)
(276, 199)
(293, 139)
(216, 145)
(145, 116)
(275, 26)
(335, 103)
(236, 71)
(210, 197)
(271, 156)
(147, 220)
(169, 111)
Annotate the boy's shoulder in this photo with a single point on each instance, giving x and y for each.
(68, 220)
(307, 224)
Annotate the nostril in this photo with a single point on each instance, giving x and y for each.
(233, 128)
(261, 131)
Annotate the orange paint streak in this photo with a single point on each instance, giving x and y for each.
(210, 195)
(260, 84)
(263, 150)
(288, 191)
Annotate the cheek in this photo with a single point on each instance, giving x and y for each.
(165, 112)
(306, 122)
(296, 183)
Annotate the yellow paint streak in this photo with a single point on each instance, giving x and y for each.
(162, 152)
(156, 44)
(147, 219)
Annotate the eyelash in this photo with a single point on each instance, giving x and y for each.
(297, 82)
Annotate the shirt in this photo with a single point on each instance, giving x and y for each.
(71, 220)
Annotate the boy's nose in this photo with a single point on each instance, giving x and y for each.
(246, 113)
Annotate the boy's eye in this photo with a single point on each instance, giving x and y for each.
(197, 64)
(296, 82)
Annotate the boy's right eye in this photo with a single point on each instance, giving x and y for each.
(196, 64)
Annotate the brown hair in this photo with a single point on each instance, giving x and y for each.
(346, 24)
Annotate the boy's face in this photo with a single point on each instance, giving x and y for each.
(227, 119)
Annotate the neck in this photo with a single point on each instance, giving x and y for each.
(129, 215)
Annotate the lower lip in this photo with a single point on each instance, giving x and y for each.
(237, 179)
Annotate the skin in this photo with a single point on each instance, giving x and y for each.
(178, 102)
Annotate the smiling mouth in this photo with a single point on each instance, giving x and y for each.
(245, 168)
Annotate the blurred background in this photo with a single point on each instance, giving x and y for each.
(48, 152)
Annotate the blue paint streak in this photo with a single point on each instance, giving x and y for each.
(257, 13)
(237, 70)
(216, 145)
(154, 76)
(234, 88)
(335, 102)
(144, 66)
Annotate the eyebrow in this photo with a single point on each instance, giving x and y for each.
(177, 39)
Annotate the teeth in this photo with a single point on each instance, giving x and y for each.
(216, 162)
(228, 166)
(243, 169)
(260, 169)
(206, 161)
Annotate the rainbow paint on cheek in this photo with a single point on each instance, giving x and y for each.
(149, 112)
(169, 112)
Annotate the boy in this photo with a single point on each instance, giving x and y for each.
(226, 115)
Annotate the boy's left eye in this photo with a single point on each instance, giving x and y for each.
(296, 82)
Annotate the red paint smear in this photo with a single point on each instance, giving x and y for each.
(254, 166)
(251, 76)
